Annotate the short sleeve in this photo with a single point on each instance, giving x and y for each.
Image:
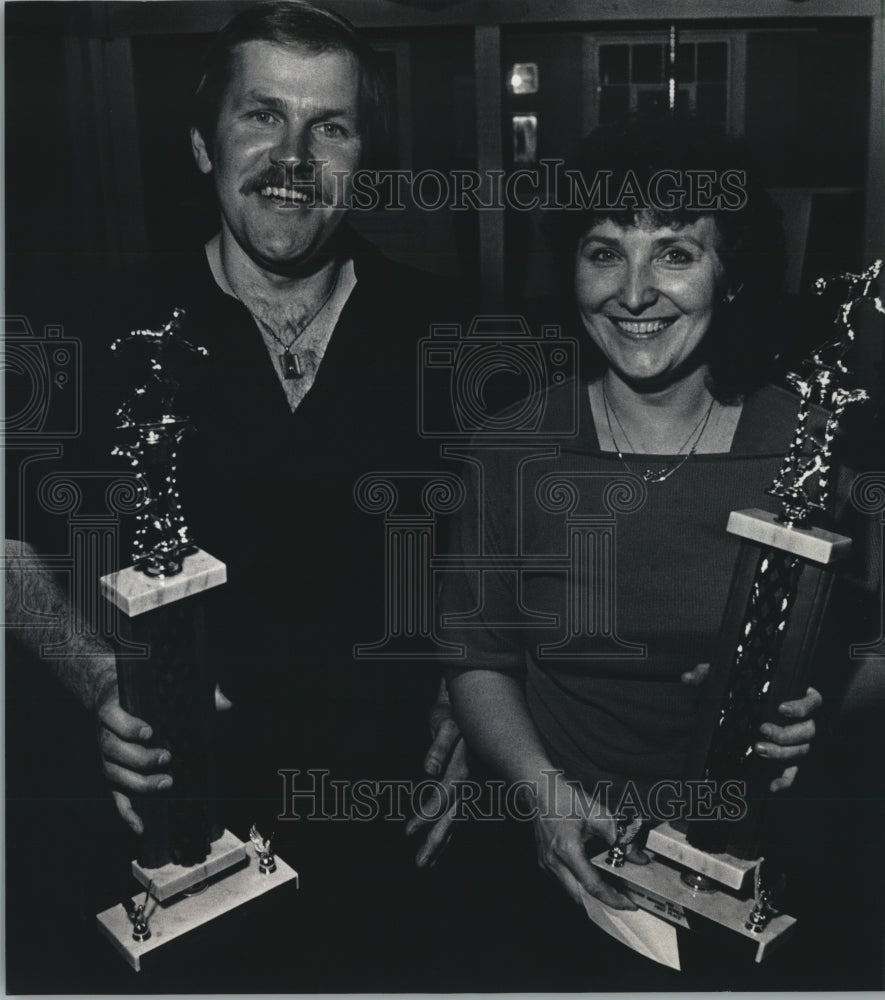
(479, 603)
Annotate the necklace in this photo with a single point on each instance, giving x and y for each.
(290, 363)
(656, 475)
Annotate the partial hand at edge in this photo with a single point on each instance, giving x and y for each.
(447, 757)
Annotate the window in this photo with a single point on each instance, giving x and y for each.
(633, 76)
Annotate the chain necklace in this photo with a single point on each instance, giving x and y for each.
(290, 363)
(656, 475)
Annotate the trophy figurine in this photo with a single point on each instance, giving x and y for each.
(715, 869)
(184, 848)
(267, 863)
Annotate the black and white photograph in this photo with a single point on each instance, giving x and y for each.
(444, 480)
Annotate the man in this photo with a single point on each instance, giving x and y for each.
(290, 104)
(310, 383)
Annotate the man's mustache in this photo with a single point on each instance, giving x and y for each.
(300, 176)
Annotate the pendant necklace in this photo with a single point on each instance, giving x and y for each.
(290, 363)
(656, 475)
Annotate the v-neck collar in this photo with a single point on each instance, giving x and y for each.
(233, 334)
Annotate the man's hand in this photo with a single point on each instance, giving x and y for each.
(127, 763)
(788, 743)
(563, 826)
(447, 757)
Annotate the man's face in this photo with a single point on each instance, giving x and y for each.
(284, 107)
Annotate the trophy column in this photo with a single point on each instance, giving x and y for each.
(174, 692)
(191, 868)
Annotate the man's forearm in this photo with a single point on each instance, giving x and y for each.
(87, 669)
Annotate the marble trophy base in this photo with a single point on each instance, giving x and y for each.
(814, 544)
(172, 880)
(232, 875)
(134, 592)
(725, 869)
(659, 888)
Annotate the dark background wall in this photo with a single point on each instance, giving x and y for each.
(98, 164)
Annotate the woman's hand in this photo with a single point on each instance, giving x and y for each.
(565, 822)
(787, 743)
(791, 742)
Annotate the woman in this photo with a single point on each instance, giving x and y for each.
(673, 404)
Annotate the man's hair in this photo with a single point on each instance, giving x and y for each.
(294, 23)
(744, 342)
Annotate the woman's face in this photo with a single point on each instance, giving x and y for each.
(646, 295)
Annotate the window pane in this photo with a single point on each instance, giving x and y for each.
(614, 104)
(711, 103)
(652, 101)
(685, 63)
(613, 64)
(712, 60)
(648, 63)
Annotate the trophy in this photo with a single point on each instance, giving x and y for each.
(191, 868)
(715, 870)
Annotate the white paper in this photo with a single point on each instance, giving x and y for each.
(642, 931)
